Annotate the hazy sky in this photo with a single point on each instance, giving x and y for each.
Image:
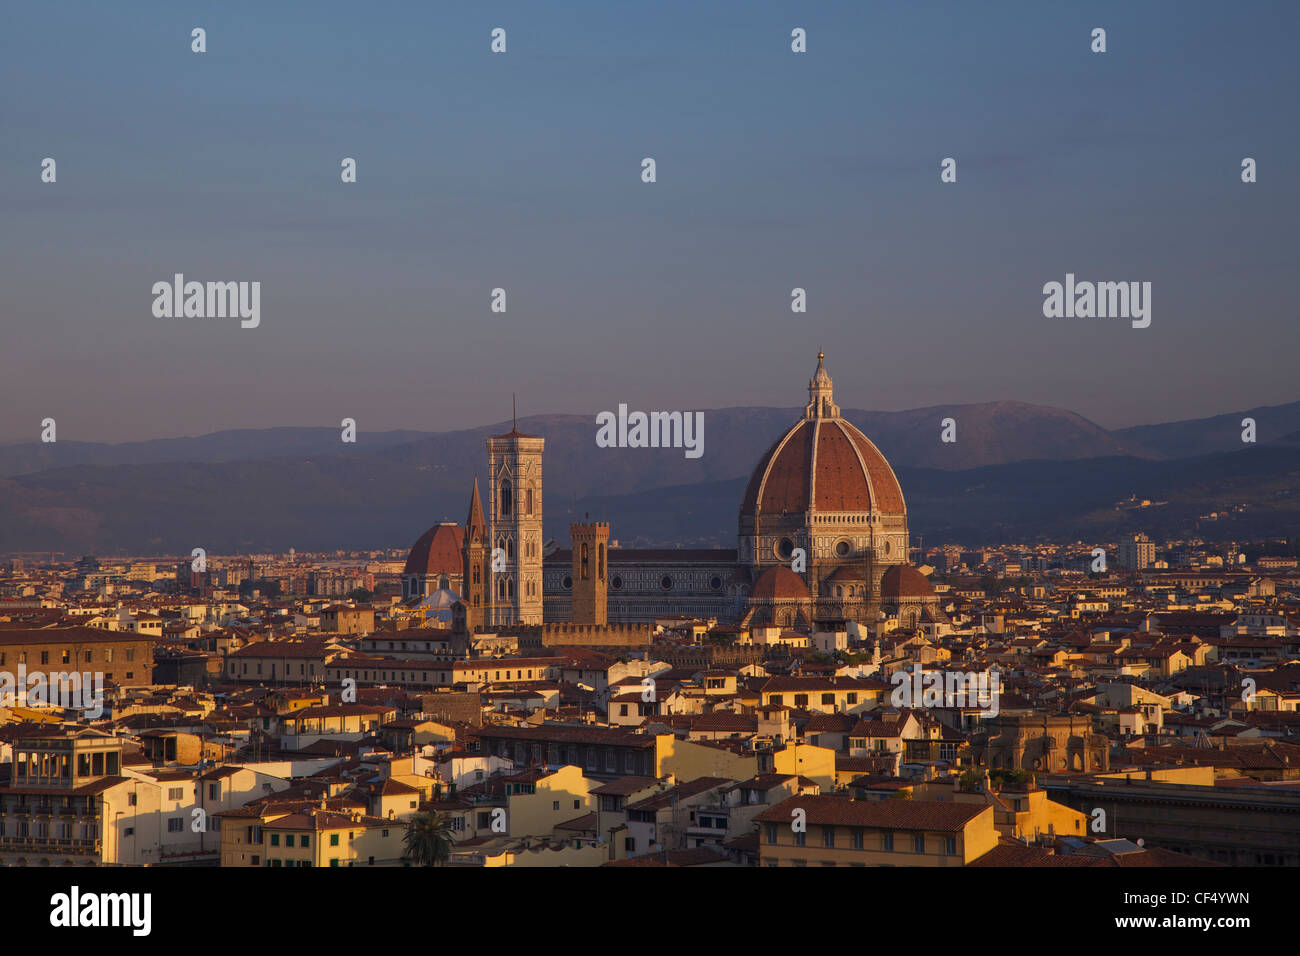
(522, 171)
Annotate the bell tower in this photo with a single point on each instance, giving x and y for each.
(590, 552)
(515, 528)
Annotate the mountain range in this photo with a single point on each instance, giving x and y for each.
(1017, 472)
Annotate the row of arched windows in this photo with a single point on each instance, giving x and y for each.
(507, 544)
(506, 588)
(506, 504)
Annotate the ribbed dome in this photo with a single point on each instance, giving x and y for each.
(847, 574)
(823, 464)
(779, 584)
(902, 582)
(437, 551)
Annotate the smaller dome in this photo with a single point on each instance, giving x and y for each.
(440, 600)
(903, 581)
(438, 605)
(779, 584)
(437, 551)
(846, 575)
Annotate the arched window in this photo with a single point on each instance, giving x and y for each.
(510, 547)
(504, 508)
(529, 507)
(501, 588)
(600, 562)
(585, 570)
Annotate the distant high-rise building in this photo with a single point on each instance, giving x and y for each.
(1137, 553)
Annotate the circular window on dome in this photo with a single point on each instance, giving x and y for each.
(842, 549)
(666, 582)
(784, 549)
(568, 582)
(616, 582)
(715, 582)
(888, 548)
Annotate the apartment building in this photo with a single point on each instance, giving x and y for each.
(837, 831)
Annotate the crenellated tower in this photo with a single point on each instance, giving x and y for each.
(590, 551)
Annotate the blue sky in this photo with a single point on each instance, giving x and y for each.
(522, 171)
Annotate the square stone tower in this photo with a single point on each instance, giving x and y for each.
(590, 551)
(515, 528)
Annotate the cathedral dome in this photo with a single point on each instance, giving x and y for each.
(903, 582)
(823, 463)
(779, 584)
(437, 552)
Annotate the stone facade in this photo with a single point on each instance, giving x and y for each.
(1041, 743)
(515, 528)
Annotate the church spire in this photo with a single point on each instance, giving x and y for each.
(821, 397)
(475, 526)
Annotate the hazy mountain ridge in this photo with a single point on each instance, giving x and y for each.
(386, 489)
(987, 433)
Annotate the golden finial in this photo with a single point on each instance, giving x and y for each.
(820, 356)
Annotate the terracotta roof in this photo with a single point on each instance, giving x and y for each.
(67, 635)
(689, 789)
(815, 684)
(881, 814)
(309, 649)
(437, 551)
(847, 574)
(724, 721)
(1014, 854)
(904, 581)
(779, 583)
(850, 474)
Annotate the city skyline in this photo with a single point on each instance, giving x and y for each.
(746, 435)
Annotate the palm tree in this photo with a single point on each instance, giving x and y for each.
(428, 840)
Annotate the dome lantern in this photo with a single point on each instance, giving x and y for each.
(821, 398)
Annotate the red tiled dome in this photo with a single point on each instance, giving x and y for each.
(437, 551)
(846, 575)
(850, 474)
(779, 584)
(903, 581)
